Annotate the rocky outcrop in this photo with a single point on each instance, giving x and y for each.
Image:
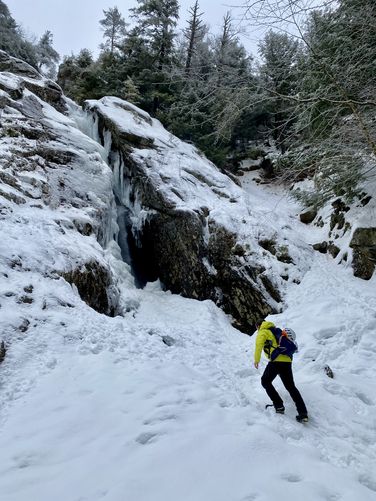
(29, 78)
(363, 244)
(190, 226)
(56, 196)
(172, 247)
(93, 282)
(308, 216)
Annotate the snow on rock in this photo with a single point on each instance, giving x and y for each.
(55, 194)
(347, 231)
(193, 227)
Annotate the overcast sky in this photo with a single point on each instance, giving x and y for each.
(75, 23)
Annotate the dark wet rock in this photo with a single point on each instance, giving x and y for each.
(363, 244)
(340, 206)
(337, 219)
(328, 371)
(93, 281)
(271, 288)
(24, 325)
(239, 250)
(269, 245)
(3, 351)
(308, 216)
(12, 197)
(281, 252)
(364, 201)
(25, 300)
(333, 250)
(168, 340)
(17, 66)
(47, 90)
(83, 227)
(268, 168)
(321, 247)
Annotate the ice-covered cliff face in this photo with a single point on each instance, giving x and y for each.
(193, 227)
(65, 197)
(56, 194)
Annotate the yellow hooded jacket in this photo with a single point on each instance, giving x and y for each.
(263, 335)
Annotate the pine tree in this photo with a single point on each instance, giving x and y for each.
(194, 33)
(114, 29)
(81, 77)
(47, 55)
(279, 78)
(11, 39)
(156, 21)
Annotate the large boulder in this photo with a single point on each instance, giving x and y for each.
(363, 244)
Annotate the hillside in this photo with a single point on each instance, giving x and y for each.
(114, 392)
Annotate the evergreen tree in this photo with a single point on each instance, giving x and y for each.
(81, 78)
(279, 78)
(156, 20)
(11, 39)
(47, 55)
(114, 29)
(150, 46)
(194, 34)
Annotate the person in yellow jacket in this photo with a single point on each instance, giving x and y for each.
(281, 366)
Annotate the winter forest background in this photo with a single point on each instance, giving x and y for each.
(309, 90)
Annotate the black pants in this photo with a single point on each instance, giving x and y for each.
(284, 371)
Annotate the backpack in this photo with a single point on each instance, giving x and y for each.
(287, 345)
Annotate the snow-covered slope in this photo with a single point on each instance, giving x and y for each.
(164, 403)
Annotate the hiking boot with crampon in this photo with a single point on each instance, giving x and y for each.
(302, 418)
(279, 410)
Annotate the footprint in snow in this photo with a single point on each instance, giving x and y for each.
(251, 497)
(364, 398)
(325, 333)
(291, 477)
(368, 482)
(145, 438)
(244, 373)
(156, 420)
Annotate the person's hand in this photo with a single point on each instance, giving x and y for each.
(256, 364)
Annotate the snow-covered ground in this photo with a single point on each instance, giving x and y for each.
(164, 404)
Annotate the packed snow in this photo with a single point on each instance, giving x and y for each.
(163, 403)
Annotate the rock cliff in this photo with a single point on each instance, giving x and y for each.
(189, 225)
(192, 226)
(56, 198)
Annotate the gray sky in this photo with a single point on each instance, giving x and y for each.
(75, 23)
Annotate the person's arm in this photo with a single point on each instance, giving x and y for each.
(260, 341)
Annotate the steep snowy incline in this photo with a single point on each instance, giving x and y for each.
(164, 404)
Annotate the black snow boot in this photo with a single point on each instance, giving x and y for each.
(302, 418)
(279, 410)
